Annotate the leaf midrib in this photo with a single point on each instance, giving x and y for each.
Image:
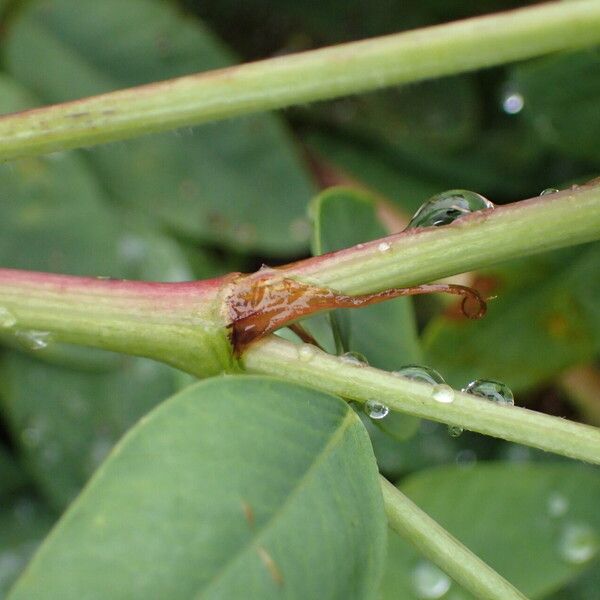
(253, 543)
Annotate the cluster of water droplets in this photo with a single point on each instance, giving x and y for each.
(444, 208)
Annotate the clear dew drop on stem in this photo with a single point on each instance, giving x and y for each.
(455, 430)
(355, 359)
(578, 543)
(443, 393)
(429, 582)
(489, 389)
(420, 373)
(548, 191)
(446, 207)
(34, 340)
(7, 319)
(376, 410)
(306, 352)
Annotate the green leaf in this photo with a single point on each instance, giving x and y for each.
(238, 184)
(66, 421)
(384, 333)
(11, 477)
(515, 517)
(550, 302)
(561, 96)
(24, 521)
(237, 487)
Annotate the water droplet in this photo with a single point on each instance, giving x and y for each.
(513, 103)
(429, 582)
(306, 352)
(578, 543)
(376, 410)
(384, 246)
(34, 340)
(7, 319)
(491, 390)
(455, 430)
(548, 191)
(557, 505)
(443, 393)
(356, 359)
(420, 373)
(448, 206)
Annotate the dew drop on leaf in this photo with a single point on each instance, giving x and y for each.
(384, 246)
(376, 410)
(448, 206)
(429, 582)
(513, 103)
(491, 390)
(578, 543)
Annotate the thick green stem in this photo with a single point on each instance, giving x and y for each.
(176, 323)
(296, 79)
(309, 366)
(434, 542)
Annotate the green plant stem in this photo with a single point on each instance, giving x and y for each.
(317, 369)
(178, 324)
(479, 240)
(434, 542)
(316, 75)
(184, 324)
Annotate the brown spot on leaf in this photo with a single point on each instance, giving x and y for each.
(248, 513)
(270, 564)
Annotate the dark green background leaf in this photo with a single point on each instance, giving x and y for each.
(225, 477)
(238, 184)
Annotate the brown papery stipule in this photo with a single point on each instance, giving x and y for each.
(260, 305)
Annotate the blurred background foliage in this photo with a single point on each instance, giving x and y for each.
(204, 201)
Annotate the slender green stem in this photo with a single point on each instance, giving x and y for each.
(434, 542)
(317, 75)
(482, 239)
(309, 366)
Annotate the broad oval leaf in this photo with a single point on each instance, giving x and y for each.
(515, 517)
(238, 487)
